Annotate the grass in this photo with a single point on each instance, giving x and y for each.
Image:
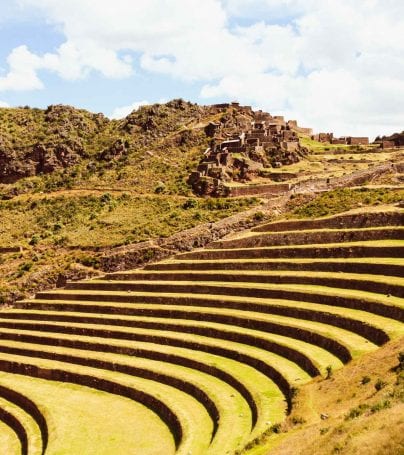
(341, 200)
(289, 369)
(105, 424)
(260, 276)
(8, 440)
(318, 355)
(356, 344)
(107, 219)
(209, 287)
(235, 416)
(30, 426)
(189, 411)
(267, 395)
(56, 230)
(358, 417)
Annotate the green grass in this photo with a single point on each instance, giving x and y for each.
(29, 424)
(9, 442)
(355, 343)
(266, 394)
(193, 289)
(87, 421)
(318, 355)
(370, 260)
(390, 326)
(261, 274)
(48, 227)
(235, 416)
(190, 412)
(107, 219)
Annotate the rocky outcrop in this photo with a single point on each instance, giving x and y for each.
(38, 159)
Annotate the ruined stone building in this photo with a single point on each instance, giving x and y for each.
(346, 140)
(242, 145)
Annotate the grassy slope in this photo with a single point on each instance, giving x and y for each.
(101, 199)
(56, 230)
(361, 419)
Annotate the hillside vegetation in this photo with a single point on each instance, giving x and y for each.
(270, 322)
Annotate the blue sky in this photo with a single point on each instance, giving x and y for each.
(332, 65)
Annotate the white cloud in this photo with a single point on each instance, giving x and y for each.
(23, 71)
(123, 111)
(332, 64)
(4, 104)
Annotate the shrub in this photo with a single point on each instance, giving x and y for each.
(34, 240)
(105, 198)
(190, 204)
(259, 216)
(26, 267)
(365, 380)
(401, 361)
(380, 406)
(356, 412)
(298, 420)
(379, 384)
(159, 188)
(276, 428)
(329, 372)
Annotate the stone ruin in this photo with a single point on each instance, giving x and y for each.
(345, 140)
(242, 144)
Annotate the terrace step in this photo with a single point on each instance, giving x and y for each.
(80, 417)
(228, 409)
(285, 373)
(376, 249)
(180, 412)
(9, 441)
(152, 292)
(374, 266)
(344, 343)
(214, 341)
(353, 220)
(302, 237)
(372, 283)
(264, 398)
(31, 427)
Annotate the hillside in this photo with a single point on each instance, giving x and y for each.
(266, 319)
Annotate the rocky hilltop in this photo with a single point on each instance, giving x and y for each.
(230, 142)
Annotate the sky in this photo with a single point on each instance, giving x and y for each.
(333, 65)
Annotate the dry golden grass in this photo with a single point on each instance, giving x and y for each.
(379, 427)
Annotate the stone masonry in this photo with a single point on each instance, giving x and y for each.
(243, 144)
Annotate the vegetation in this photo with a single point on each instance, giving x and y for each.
(218, 344)
(61, 231)
(341, 200)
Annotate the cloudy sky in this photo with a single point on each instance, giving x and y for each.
(334, 65)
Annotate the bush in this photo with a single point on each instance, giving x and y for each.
(379, 385)
(365, 380)
(190, 204)
(329, 372)
(401, 361)
(34, 240)
(380, 406)
(259, 216)
(356, 412)
(159, 188)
